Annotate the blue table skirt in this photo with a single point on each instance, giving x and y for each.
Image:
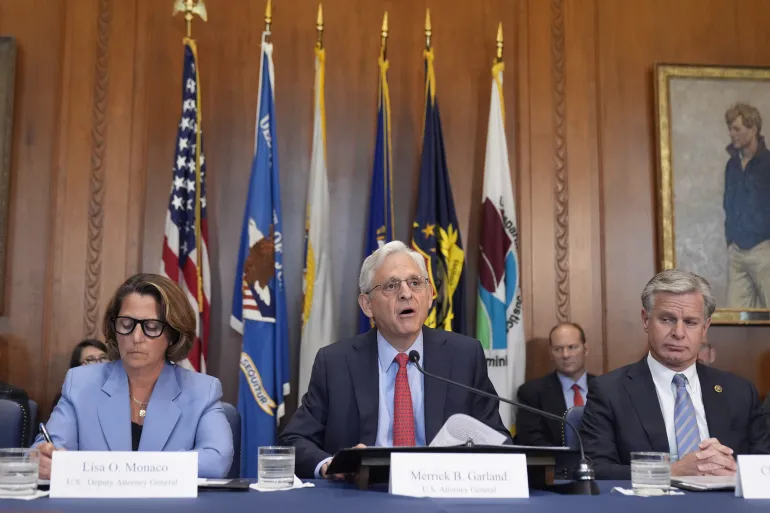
(329, 497)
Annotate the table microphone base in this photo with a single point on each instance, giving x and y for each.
(584, 482)
(575, 488)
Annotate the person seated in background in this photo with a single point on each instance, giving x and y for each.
(142, 401)
(707, 354)
(86, 352)
(667, 402)
(19, 396)
(555, 393)
(365, 391)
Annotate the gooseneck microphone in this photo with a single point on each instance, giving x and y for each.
(583, 473)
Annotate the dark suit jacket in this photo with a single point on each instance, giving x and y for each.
(340, 408)
(623, 415)
(546, 394)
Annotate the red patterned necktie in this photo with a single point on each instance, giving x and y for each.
(403, 416)
(578, 400)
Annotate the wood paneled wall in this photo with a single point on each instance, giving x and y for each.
(97, 104)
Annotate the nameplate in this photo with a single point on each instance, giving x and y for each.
(753, 476)
(122, 475)
(459, 475)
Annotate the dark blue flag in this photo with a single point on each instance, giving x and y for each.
(380, 227)
(435, 232)
(259, 295)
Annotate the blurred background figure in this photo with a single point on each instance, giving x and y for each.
(86, 352)
(707, 354)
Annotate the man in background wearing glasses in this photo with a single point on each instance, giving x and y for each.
(364, 391)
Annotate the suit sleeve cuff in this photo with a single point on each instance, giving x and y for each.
(318, 467)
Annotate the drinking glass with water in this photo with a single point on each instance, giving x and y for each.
(18, 471)
(276, 467)
(651, 473)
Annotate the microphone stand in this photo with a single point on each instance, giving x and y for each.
(584, 481)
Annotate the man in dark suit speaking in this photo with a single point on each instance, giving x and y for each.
(667, 402)
(364, 391)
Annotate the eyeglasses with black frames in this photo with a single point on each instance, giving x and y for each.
(152, 328)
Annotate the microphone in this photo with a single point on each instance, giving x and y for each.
(583, 474)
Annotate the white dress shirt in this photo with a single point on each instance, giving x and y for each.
(663, 377)
(387, 368)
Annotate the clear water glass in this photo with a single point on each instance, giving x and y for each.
(650, 473)
(18, 471)
(276, 467)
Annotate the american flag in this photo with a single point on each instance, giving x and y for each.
(185, 245)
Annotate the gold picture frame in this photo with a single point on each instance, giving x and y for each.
(691, 105)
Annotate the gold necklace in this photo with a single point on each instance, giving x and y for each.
(142, 406)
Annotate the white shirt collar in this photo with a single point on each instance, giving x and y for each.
(386, 353)
(566, 383)
(664, 376)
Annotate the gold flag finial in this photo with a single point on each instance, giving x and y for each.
(384, 36)
(499, 56)
(428, 31)
(268, 19)
(190, 8)
(319, 27)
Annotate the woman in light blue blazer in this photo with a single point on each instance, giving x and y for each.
(143, 400)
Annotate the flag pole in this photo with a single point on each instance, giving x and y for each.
(430, 79)
(384, 37)
(268, 21)
(385, 94)
(498, 67)
(191, 8)
(319, 28)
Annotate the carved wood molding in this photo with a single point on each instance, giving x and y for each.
(96, 181)
(560, 161)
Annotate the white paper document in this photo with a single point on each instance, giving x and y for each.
(460, 428)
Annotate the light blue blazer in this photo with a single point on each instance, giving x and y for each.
(184, 414)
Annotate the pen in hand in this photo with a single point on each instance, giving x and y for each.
(45, 434)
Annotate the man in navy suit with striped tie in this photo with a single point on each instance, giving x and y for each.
(667, 402)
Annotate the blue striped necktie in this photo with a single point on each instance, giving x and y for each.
(687, 434)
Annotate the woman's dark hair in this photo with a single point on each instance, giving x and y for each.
(78, 351)
(173, 309)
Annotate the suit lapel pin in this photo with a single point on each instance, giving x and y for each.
(717, 389)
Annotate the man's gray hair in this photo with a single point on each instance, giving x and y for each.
(375, 260)
(675, 281)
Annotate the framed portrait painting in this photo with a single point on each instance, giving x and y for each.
(714, 182)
